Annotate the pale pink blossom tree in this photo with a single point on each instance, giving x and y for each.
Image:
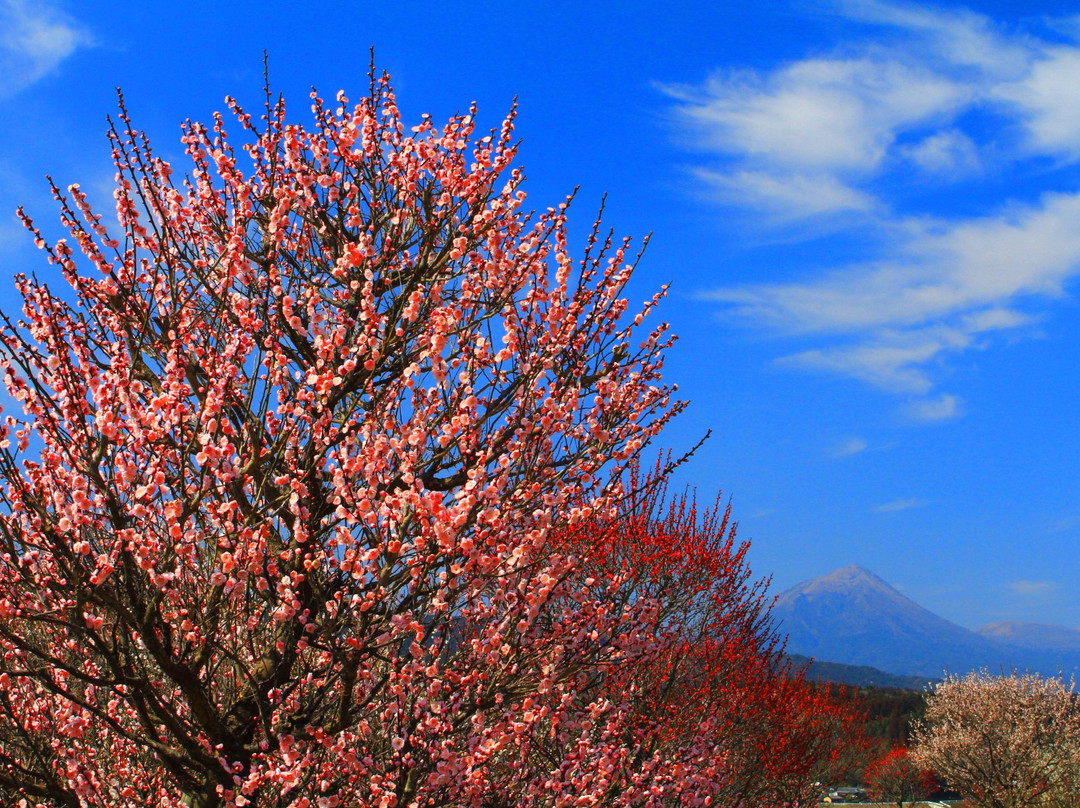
(278, 511)
(1003, 741)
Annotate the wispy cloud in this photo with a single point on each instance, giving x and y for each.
(897, 505)
(761, 513)
(828, 122)
(848, 447)
(35, 37)
(826, 141)
(939, 408)
(786, 197)
(949, 154)
(1031, 588)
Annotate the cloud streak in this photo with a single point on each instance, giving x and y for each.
(1031, 588)
(831, 121)
(35, 37)
(827, 141)
(941, 408)
(897, 505)
(849, 447)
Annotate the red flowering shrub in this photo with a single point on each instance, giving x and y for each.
(713, 678)
(897, 779)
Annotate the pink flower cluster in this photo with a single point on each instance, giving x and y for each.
(281, 506)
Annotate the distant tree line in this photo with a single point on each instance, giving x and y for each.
(887, 713)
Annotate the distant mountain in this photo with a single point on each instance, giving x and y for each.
(859, 675)
(1033, 635)
(853, 617)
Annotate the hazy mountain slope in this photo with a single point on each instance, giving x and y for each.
(854, 617)
(859, 675)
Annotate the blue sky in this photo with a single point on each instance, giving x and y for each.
(869, 211)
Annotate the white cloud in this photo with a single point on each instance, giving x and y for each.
(825, 136)
(954, 37)
(761, 514)
(933, 270)
(786, 197)
(1032, 588)
(897, 505)
(891, 367)
(948, 153)
(941, 408)
(850, 446)
(825, 123)
(941, 287)
(35, 37)
(1047, 102)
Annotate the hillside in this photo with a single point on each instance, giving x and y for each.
(859, 675)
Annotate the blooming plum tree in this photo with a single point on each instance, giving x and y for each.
(897, 779)
(1003, 741)
(278, 514)
(713, 677)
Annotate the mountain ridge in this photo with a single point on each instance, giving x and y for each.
(854, 617)
(820, 670)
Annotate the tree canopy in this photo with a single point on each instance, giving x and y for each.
(323, 496)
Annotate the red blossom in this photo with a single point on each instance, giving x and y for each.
(896, 778)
